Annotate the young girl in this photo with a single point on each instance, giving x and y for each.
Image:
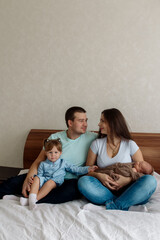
(51, 173)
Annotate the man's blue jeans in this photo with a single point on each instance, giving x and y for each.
(137, 193)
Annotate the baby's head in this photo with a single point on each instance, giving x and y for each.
(53, 149)
(144, 167)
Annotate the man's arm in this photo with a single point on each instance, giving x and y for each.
(32, 171)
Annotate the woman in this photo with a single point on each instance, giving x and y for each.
(115, 144)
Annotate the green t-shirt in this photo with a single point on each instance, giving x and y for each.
(74, 151)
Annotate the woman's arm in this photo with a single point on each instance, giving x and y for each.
(32, 171)
(105, 179)
(138, 157)
(91, 158)
(123, 181)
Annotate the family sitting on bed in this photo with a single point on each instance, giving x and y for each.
(114, 144)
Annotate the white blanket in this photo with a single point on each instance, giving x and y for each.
(79, 220)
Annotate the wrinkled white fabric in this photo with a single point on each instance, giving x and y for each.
(79, 220)
(71, 221)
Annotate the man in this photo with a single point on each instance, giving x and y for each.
(75, 143)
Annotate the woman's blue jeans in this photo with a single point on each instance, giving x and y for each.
(137, 193)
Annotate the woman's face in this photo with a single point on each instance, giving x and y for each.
(103, 125)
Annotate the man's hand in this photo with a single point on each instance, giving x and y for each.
(30, 180)
(32, 171)
(27, 186)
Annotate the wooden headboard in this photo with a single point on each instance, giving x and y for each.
(149, 144)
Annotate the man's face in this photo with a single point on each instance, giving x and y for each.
(79, 124)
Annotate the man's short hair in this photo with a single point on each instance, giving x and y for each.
(69, 115)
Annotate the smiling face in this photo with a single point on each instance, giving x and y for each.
(79, 124)
(103, 125)
(53, 155)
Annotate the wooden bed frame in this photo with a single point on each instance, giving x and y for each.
(149, 144)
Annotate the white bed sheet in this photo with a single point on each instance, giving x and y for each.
(71, 221)
(79, 220)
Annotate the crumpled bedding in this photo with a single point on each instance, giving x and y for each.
(80, 220)
(71, 221)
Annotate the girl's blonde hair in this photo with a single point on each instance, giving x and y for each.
(49, 144)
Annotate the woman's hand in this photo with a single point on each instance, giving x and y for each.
(27, 186)
(122, 181)
(107, 181)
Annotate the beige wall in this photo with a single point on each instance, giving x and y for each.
(93, 53)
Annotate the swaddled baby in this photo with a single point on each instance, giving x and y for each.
(134, 170)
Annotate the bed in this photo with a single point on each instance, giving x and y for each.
(80, 219)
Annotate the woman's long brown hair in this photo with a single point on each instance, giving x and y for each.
(117, 124)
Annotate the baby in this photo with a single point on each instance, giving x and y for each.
(133, 170)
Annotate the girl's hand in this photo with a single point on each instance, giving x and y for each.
(92, 168)
(107, 181)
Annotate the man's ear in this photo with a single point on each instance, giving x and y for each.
(70, 122)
